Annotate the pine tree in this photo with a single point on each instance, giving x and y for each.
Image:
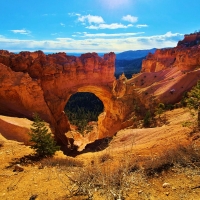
(43, 142)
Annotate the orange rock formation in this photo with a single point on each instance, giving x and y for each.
(35, 82)
(186, 56)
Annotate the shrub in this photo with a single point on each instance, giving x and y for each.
(160, 109)
(147, 119)
(43, 143)
(193, 100)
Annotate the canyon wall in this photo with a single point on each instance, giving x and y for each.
(35, 82)
(185, 56)
(168, 73)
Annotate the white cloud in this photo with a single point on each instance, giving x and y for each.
(130, 18)
(62, 24)
(21, 31)
(85, 34)
(91, 19)
(141, 25)
(109, 26)
(94, 44)
(65, 39)
(170, 34)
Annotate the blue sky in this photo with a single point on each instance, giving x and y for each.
(95, 25)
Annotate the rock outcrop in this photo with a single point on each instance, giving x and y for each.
(35, 82)
(13, 128)
(168, 73)
(185, 57)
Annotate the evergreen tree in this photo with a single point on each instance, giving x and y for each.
(43, 142)
(147, 119)
(193, 100)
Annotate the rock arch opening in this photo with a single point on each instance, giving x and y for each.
(83, 110)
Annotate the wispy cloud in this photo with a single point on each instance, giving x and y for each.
(97, 22)
(141, 25)
(96, 44)
(47, 15)
(21, 31)
(130, 18)
(109, 26)
(91, 19)
(85, 34)
(62, 24)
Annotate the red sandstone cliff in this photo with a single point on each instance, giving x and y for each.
(173, 69)
(186, 56)
(35, 82)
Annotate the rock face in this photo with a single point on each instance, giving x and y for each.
(186, 56)
(168, 73)
(16, 129)
(35, 82)
(38, 83)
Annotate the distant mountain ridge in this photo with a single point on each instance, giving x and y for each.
(130, 62)
(128, 67)
(131, 55)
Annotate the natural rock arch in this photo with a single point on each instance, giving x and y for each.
(109, 122)
(110, 112)
(44, 83)
(35, 82)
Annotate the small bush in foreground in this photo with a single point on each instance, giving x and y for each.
(43, 143)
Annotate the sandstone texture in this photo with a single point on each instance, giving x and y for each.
(185, 56)
(38, 83)
(32, 82)
(169, 73)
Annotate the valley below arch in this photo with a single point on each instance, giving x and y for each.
(111, 113)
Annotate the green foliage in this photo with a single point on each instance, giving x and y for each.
(193, 101)
(82, 108)
(183, 100)
(43, 143)
(187, 124)
(147, 119)
(160, 109)
(136, 107)
(169, 107)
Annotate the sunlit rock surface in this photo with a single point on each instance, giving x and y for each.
(35, 82)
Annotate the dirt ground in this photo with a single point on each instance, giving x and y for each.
(148, 164)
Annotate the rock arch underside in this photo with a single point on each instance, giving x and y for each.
(38, 83)
(34, 82)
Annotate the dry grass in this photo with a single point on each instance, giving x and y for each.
(61, 162)
(137, 170)
(105, 157)
(110, 178)
(183, 156)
